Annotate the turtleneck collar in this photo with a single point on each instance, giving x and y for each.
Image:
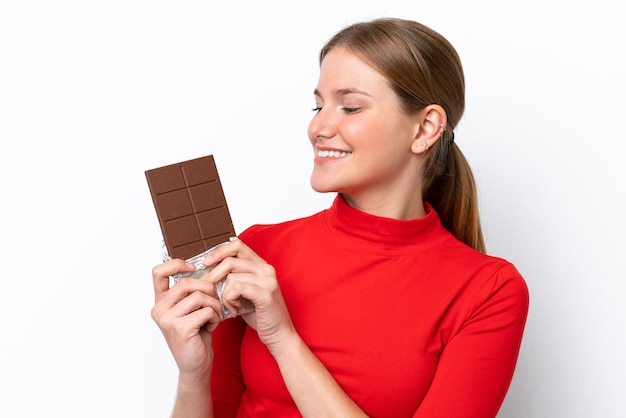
(375, 233)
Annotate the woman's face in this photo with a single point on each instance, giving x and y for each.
(360, 135)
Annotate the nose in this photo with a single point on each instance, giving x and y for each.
(322, 126)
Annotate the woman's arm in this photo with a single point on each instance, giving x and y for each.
(193, 397)
(187, 314)
(477, 364)
(311, 386)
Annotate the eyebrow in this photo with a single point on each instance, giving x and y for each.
(342, 92)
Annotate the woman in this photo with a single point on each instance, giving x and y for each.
(383, 305)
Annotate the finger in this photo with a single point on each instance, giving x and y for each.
(235, 248)
(185, 327)
(162, 272)
(196, 301)
(207, 317)
(184, 287)
(184, 314)
(245, 288)
(210, 317)
(170, 298)
(239, 265)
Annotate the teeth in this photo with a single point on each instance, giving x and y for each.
(332, 154)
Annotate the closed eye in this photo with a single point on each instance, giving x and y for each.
(347, 110)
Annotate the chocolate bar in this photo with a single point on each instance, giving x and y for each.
(191, 206)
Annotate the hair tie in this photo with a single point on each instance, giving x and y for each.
(452, 138)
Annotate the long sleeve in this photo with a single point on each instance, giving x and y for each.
(227, 380)
(476, 366)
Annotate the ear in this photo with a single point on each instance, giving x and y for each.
(431, 122)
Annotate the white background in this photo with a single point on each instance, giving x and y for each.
(94, 93)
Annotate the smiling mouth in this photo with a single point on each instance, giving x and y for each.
(332, 154)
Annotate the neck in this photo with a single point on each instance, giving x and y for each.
(409, 207)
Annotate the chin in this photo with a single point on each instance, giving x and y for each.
(322, 187)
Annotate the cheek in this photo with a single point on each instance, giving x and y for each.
(358, 130)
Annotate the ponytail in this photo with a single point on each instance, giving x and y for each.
(449, 186)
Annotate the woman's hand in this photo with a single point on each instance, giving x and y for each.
(249, 276)
(187, 314)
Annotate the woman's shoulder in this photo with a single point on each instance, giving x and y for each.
(456, 256)
(497, 275)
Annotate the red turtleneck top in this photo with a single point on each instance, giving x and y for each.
(410, 321)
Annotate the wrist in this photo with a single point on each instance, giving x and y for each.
(289, 345)
(193, 381)
(193, 398)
